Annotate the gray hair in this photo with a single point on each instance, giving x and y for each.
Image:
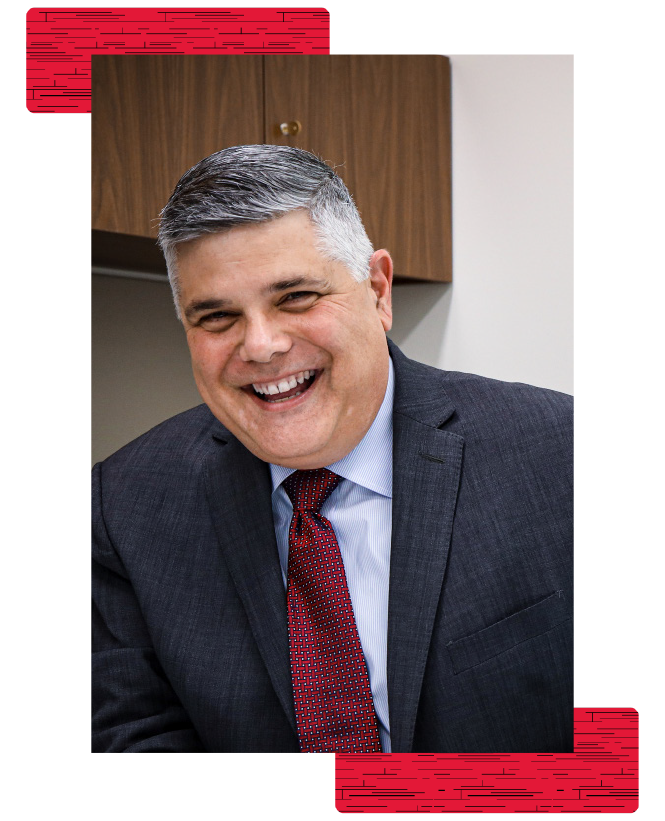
(257, 183)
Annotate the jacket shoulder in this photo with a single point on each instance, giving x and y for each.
(179, 442)
(464, 401)
(510, 422)
(484, 397)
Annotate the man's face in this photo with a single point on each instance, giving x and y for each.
(288, 351)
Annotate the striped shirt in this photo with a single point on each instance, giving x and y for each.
(360, 511)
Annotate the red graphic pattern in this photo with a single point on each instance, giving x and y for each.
(599, 776)
(60, 42)
(331, 692)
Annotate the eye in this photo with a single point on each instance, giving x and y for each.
(216, 315)
(298, 295)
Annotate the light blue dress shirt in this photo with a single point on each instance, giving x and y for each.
(360, 511)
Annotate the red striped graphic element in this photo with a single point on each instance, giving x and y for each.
(599, 776)
(60, 42)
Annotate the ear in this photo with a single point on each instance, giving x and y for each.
(381, 283)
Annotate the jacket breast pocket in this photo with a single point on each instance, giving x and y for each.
(503, 635)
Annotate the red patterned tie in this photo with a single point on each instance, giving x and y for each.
(331, 692)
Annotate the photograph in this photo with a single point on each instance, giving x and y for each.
(331, 403)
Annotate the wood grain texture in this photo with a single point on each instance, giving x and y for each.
(386, 121)
(153, 117)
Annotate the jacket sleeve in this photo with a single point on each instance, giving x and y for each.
(134, 707)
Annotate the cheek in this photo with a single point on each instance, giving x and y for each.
(329, 327)
(208, 353)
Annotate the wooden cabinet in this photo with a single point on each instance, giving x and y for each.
(155, 117)
(382, 121)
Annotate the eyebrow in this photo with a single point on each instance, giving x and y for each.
(212, 304)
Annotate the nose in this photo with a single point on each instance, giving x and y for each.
(262, 339)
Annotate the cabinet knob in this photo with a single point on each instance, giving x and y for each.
(291, 129)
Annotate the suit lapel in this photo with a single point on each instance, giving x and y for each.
(427, 465)
(239, 493)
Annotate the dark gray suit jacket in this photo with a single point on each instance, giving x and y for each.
(190, 629)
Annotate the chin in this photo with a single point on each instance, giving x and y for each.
(302, 456)
(302, 460)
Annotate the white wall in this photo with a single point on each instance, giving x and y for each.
(508, 313)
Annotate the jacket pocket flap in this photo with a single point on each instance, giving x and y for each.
(514, 629)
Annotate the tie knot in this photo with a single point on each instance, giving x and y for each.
(308, 489)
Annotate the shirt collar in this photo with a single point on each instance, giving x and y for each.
(370, 463)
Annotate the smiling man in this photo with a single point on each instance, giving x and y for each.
(342, 549)
(262, 307)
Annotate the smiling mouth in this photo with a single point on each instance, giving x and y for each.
(273, 399)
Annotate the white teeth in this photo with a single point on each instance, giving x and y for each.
(288, 384)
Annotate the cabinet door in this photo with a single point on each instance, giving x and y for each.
(153, 117)
(386, 121)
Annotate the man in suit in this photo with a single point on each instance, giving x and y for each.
(341, 549)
